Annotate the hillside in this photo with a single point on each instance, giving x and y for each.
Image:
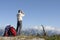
(22, 38)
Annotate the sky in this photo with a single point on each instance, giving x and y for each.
(37, 12)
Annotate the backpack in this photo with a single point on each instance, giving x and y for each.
(12, 31)
(9, 31)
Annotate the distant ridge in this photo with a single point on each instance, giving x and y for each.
(37, 29)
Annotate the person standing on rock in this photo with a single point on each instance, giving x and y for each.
(19, 21)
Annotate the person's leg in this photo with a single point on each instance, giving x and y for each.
(19, 26)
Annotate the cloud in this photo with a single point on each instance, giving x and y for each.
(38, 29)
(47, 28)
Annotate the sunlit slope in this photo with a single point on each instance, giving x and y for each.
(21, 38)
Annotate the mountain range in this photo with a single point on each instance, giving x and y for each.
(38, 30)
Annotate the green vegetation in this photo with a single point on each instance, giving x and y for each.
(31, 37)
(54, 37)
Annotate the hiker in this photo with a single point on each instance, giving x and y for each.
(19, 22)
(9, 31)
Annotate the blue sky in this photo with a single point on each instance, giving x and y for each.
(37, 12)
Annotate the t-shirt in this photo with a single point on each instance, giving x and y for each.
(19, 16)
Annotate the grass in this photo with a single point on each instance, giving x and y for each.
(23, 37)
(54, 37)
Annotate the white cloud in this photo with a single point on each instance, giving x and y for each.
(47, 28)
(37, 27)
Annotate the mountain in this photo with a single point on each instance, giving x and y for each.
(38, 29)
(1, 32)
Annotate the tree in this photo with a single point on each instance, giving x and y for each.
(44, 33)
